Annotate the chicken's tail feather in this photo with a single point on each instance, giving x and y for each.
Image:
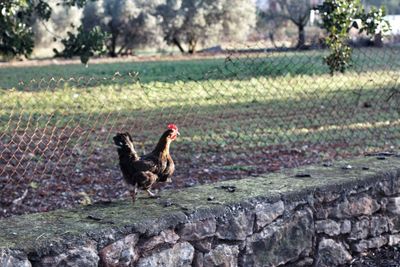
(124, 142)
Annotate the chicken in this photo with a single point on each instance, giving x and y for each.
(142, 172)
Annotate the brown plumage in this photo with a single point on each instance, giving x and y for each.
(142, 172)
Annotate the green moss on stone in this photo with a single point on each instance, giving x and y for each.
(35, 231)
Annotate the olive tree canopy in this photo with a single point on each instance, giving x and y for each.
(192, 22)
(129, 23)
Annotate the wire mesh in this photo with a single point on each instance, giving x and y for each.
(240, 114)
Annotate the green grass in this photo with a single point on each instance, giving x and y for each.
(247, 102)
(238, 67)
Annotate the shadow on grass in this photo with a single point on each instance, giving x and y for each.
(315, 118)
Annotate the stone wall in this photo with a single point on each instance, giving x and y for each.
(314, 216)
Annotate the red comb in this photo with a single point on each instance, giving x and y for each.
(172, 126)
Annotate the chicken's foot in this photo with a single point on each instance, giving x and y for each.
(151, 194)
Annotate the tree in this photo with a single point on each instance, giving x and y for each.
(239, 19)
(271, 23)
(84, 44)
(391, 6)
(295, 11)
(129, 23)
(338, 17)
(298, 12)
(193, 22)
(17, 18)
(63, 19)
(16, 35)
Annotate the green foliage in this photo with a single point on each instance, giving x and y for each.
(41, 9)
(16, 20)
(84, 44)
(193, 22)
(338, 17)
(47, 34)
(16, 36)
(129, 23)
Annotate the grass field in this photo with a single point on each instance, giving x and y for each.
(233, 66)
(240, 115)
(277, 86)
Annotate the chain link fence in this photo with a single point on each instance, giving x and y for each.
(241, 113)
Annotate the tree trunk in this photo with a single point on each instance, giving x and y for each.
(178, 44)
(302, 36)
(378, 40)
(192, 46)
(113, 45)
(272, 38)
(121, 49)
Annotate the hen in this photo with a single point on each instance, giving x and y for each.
(142, 172)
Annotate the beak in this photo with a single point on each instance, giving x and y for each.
(177, 133)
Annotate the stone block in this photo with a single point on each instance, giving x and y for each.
(345, 227)
(306, 262)
(329, 227)
(235, 227)
(332, 253)
(13, 258)
(198, 230)
(364, 245)
(181, 254)
(389, 187)
(203, 245)
(360, 229)
(326, 196)
(394, 240)
(165, 237)
(266, 213)
(120, 253)
(379, 225)
(393, 205)
(355, 206)
(79, 256)
(222, 256)
(394, 224)
(281, 241)
(198, 260)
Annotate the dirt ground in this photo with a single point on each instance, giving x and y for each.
(41, 188)
(104, 60)
(382, 257)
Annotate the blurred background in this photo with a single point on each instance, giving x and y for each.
(162, 27)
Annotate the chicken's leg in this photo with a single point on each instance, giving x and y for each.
(132, 192)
